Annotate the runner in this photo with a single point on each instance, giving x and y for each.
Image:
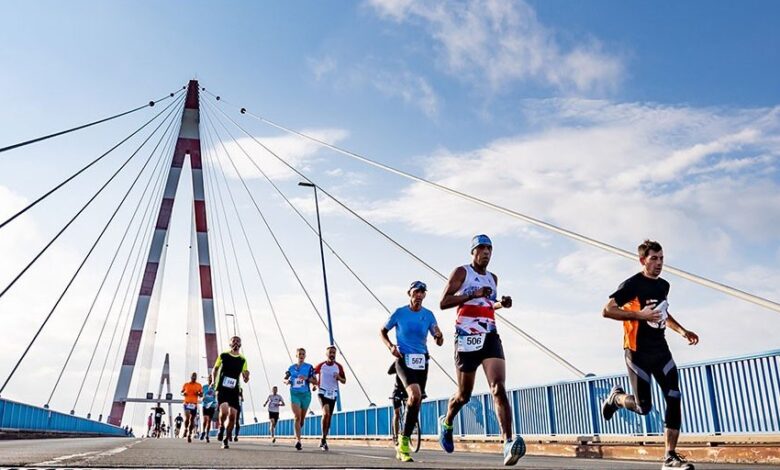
(228, 369)
(398, 396)
(177, 421)
(640, 302)
(472, 288)
(413, 323)
(274, 401)
(209, 408)
(191, 390)
(149, 425)
(299, 377)
(329, 374)
(158, 412)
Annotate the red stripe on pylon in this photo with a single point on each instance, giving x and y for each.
(150, 274)
(166, 208)
(211, 347)
(186, 146)
(192, 95)
(117, 410)
(205, 282)
(133, 344)
(200, 217)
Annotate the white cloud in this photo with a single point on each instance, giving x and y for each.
(498, 42)
(322, 67)
(297, 151)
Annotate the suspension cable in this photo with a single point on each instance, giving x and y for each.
(145, 232)
(82, 170)
(214, 158)
(84, 207)
(153, 176)
(549, 352)
(314, 230)
(701, 280)
(295, 273)
(84, 126)
(89, 253)
(216, 193)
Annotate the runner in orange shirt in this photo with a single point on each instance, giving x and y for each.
(191, 390)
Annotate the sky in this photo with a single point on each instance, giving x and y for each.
(618, 120)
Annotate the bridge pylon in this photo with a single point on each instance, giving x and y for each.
(187, 145)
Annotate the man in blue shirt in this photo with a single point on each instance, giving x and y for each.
(209, 408)
(300, 377)
(412, 325)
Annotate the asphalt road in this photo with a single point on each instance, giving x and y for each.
(255, 453)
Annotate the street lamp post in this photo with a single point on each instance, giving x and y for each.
(324, 274)
(322, 257)
(234, 321)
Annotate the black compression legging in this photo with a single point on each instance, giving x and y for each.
(642, 366)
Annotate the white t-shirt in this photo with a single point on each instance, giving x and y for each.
(273, 403)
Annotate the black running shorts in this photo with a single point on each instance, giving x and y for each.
(327, 401)
(273, 415)
(412, 376)
(470, 361)
(229, 396)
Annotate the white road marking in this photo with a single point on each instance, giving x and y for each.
(87, 456)
(58, 460)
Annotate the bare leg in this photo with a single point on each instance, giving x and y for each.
(495, 372)
(298, 421)
(670, 439)
(412, 408)
(462, 395)
(232, 413)
(327, 414)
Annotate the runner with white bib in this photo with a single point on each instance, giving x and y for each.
(472, 289)
(329, 373)
(228, 369)
(412, 325)
(300, 377)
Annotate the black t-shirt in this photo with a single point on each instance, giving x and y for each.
(178, 420)
(634, 294)
(158, 412)
(230, 368)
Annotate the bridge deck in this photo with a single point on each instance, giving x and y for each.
(254, 453)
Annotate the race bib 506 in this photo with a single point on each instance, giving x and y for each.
(470, 343)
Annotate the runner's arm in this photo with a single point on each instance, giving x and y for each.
(449, 299)
(690, 336)
(342, 376)
(389, 344)
(614, 311)
(437, 335)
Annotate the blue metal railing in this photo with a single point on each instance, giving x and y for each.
(16, 416)
(738, 395)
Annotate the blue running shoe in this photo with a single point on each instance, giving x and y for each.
(445, 436)
(514, 450)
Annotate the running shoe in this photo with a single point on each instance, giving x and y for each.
(207, 438)
(674, 462)
(610, 406)
(221, 434)
(225, 444)
(202, 436)
(404, 452)
(298, 445)
(445, 436)
(273, 440)
(514, 450)
(235, 439)
(189, 438)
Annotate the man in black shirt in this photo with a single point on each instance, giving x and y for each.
(640, 302)
(158, 414)
(228, 369)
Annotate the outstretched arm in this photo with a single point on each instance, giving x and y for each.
(449, 299)
(674, 325)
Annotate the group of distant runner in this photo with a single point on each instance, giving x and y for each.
(640, 303)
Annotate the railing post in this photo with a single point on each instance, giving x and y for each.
(551, 410)
(716, 426)
(484, 414)
(594, 408)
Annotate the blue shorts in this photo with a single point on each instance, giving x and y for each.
(302, 399)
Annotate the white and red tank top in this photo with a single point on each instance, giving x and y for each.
(477, 315)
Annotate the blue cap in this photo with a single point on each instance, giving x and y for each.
(417, 285)
(480, 240)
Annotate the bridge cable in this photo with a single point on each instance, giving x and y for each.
(701, 280)
(82, 170)
(155, 188)
(133, 280)
(549, 352)
(92, 248)
(218, 192)
(295, 274)
(152, 177)
(217, 195)
(83, 208)
(84, 126)
(325, 242)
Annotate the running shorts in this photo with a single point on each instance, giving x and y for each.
(412, 376)
(470, 361)
(302, 399)
(229, 396)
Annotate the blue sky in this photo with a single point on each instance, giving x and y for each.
(622, 120)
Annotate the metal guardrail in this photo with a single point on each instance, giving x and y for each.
(20, 417)
(738, 395)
